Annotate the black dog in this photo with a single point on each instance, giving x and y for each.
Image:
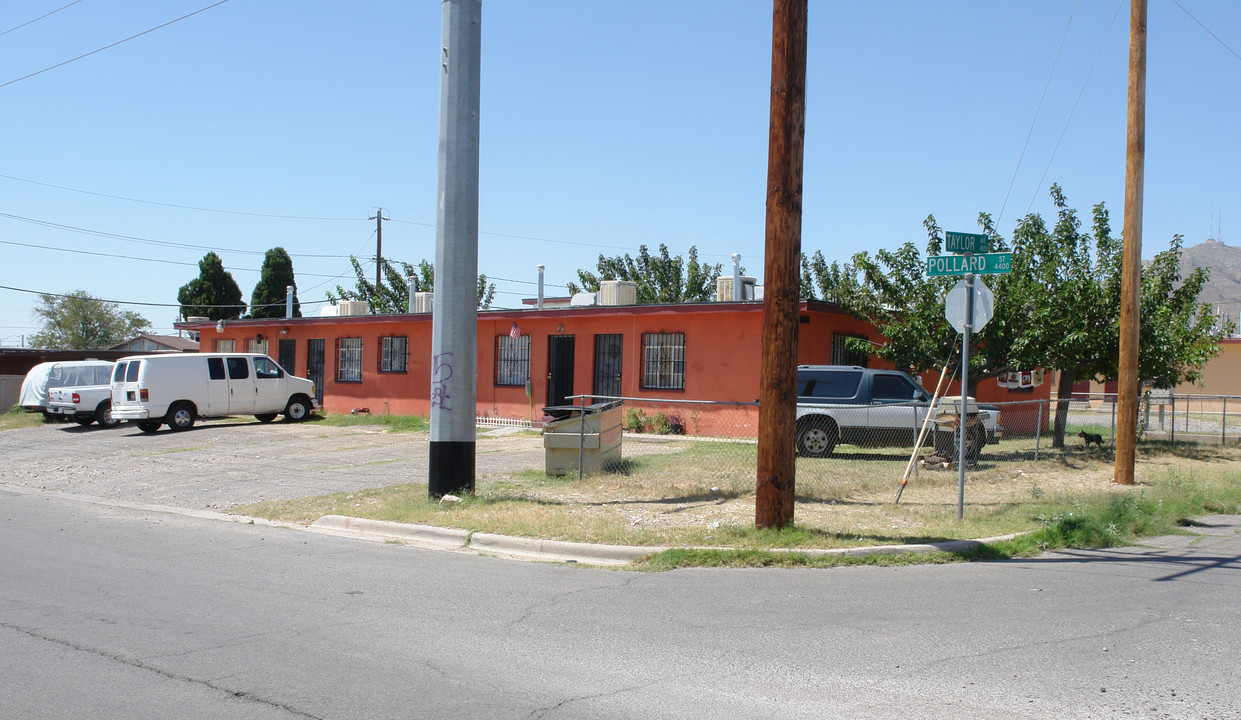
(1091, 438)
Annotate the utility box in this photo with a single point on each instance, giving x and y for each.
(594, 437)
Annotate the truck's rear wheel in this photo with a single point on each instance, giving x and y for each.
(180, 416)
(816, 437)
(103, 415)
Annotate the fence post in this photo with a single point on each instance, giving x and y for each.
(581, 438)
(1172, 425)
(1038, 428)
(1223, 425)
(1113, 423)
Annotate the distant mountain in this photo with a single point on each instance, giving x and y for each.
(1223, 290)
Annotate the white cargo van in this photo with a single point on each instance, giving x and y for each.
(153, 390)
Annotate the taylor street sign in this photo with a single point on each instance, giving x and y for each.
(991, 263)
(955, 242)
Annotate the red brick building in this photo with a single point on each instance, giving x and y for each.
(692, 351)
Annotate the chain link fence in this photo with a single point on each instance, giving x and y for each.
(712, 447)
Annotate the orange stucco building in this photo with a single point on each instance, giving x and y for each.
(692, 351)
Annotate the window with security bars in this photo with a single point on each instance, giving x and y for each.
(348, 359)
(392, 353)
(842, 355)
(663, 361)
(512, 360)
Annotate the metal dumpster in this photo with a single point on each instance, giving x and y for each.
(593, 439)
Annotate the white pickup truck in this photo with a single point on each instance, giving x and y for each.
(87, 398)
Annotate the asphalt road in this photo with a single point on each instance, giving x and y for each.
(114, 612)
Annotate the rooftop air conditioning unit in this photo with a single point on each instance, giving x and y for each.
(618, 292)
(724, 288)
(424, 302)
(349, 308)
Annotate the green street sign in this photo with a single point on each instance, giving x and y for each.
(955, 242)
(991, 263)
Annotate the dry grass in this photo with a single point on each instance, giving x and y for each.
(684, 492)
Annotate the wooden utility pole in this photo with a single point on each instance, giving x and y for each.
(379, 252)
(777, 422)
(1131, 260)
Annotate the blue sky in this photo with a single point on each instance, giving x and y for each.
(605, 125)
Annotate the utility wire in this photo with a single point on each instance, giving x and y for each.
(29, 22)
(1081, 92)
(146, 241)
(132, 257)
(151, 304)
(1208, 30)
(107, 47)
(1030, 132)
(173, 205)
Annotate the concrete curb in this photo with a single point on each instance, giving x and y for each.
(453, 539)
(428, 536)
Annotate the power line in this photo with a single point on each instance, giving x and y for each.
(1208, 30)
(132, 257)
(151, 304)
(29, 22)
(106, 47)
(1042, 97)
(146, 241)
(1081, 92)
(174, 205)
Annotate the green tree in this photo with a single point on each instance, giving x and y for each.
(1058, 308)
(268, 299)
(213, 294)
(78, 321)
(393, 296)
(660, 279)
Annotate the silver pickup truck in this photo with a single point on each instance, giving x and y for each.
(850, 405)
(86, 399)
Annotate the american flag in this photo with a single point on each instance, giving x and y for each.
(515, 333)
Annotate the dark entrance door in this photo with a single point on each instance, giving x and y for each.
(288, 355)
(559, 369)
(314, 366)
(608, 365)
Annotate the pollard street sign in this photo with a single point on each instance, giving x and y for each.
(957, 242)
(991, 263)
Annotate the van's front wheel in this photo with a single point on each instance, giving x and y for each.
(181, 416)
(297, 409)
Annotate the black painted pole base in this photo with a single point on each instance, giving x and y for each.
(452, 469)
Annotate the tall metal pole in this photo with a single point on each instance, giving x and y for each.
(963, 411)
(454, 355)
(777, 422)
(1131, 260)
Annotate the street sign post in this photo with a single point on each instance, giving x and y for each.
(955, 242)
(987, 264)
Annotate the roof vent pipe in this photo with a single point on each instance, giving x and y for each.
(737, 292)
(540, 303)
(288, 301)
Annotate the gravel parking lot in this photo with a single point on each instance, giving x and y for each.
(224, 464)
